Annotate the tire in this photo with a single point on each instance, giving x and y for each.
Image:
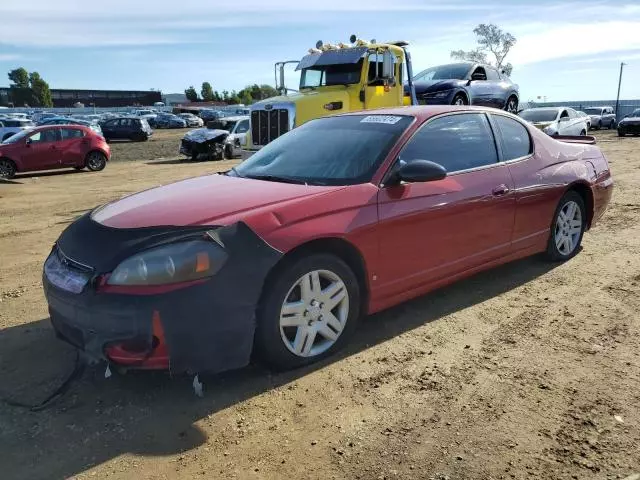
(599, 126)
(228, 152)
(139, 137)
(7, 168)
(566, 235)
(583, 133)
(275, 343)
(621, 133)
(459, 99)
(612, 125)
(95, 161)
(512, 105)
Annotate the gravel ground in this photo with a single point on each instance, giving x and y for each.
(531, 370)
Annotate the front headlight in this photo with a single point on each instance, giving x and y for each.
(174, 263)
(440, 94)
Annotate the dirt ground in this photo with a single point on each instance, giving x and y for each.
(163, 144)
(531, 370)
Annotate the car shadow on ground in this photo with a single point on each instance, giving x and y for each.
(151, 414)
(50, 173)
(4, 181)
(173, 161)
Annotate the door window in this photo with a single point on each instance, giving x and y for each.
(514, 138)
(243, 126)
(457, 142)
(70, 133)
(44, 136)
(479, 74)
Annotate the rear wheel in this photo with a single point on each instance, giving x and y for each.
(567, 228)
(95, 161)
(621, 133)
(583, 132)
(612, 125)
(308, 311)
(7, 168)
(460, 100)
(228, 151)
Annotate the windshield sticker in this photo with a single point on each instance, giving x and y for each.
(388, 119)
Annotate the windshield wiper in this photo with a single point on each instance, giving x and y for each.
(276, 178)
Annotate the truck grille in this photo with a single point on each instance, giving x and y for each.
(267, 125)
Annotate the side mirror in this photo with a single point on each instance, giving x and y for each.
(418, 171)
(387, 65)
(28, 141)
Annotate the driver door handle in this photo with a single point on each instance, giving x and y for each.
(500, 190)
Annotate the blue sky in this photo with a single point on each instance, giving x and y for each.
(565, 50)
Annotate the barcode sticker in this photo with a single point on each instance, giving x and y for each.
(388, 119)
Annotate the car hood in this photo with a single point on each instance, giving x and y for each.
(630, 119)
(207, 200)
(435, 85)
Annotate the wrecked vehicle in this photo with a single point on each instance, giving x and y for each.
(281, 255)
(204, 144)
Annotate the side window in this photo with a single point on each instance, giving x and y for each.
(44, 136)
(457, 142)
(492, 74)
(69, 133)
(564, 114)
(572, 113)
(514, 138)
(125, 122)
(243, 126)
(479, 74)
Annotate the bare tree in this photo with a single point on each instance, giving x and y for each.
(491, 39)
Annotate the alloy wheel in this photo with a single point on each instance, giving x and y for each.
(314, 313)
(459, 101)
(568, 228)
(6, 169)
(95, 161)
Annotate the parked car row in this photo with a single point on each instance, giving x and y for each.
(556, 120)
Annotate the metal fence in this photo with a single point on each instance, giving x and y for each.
(625, 107)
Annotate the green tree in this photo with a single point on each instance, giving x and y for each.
(216, 96)
(267, 91)
(191, 94)
(245, 97)
(225, 95)
(207, 92)
(19, 78)
(40, 91)
(491, 39)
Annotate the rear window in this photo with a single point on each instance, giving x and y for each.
(539, 115)
(514, 138)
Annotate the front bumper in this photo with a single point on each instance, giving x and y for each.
(631, 128)
(429, 99)
(201, 326)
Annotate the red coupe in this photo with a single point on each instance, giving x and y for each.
(341, 217)
(54, 146)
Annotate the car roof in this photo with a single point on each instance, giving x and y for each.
(423, 112)
(236, 117)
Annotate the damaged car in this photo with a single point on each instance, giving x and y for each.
(280, 257)
(205, 144)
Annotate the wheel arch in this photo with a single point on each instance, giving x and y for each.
(99, 150)
(464, 92)
(584, 190)
(337, 246)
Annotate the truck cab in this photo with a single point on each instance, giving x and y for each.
(334, 79)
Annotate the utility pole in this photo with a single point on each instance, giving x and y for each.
(622, 64)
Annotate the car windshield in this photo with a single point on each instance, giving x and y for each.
(456, 71)
(343, 150)
(539, 115)
(17, 137)
(593, 111)
(342, 74)
(222, 124)
(635, 113)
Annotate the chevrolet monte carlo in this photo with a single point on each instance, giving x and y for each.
(341, 217)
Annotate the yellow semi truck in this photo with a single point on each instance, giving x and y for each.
(334, 79)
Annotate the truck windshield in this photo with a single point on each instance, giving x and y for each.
(342, 74)
(343, 150)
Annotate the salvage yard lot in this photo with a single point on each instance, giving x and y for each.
(531, 370)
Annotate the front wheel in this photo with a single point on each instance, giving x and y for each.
(7, 168)
(96, 161)
(308, 311)
(583, 133)
(567, 228)
(621, 133)
(460, 100)
(512, 105)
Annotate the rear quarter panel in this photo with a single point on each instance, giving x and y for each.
(542, 179)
